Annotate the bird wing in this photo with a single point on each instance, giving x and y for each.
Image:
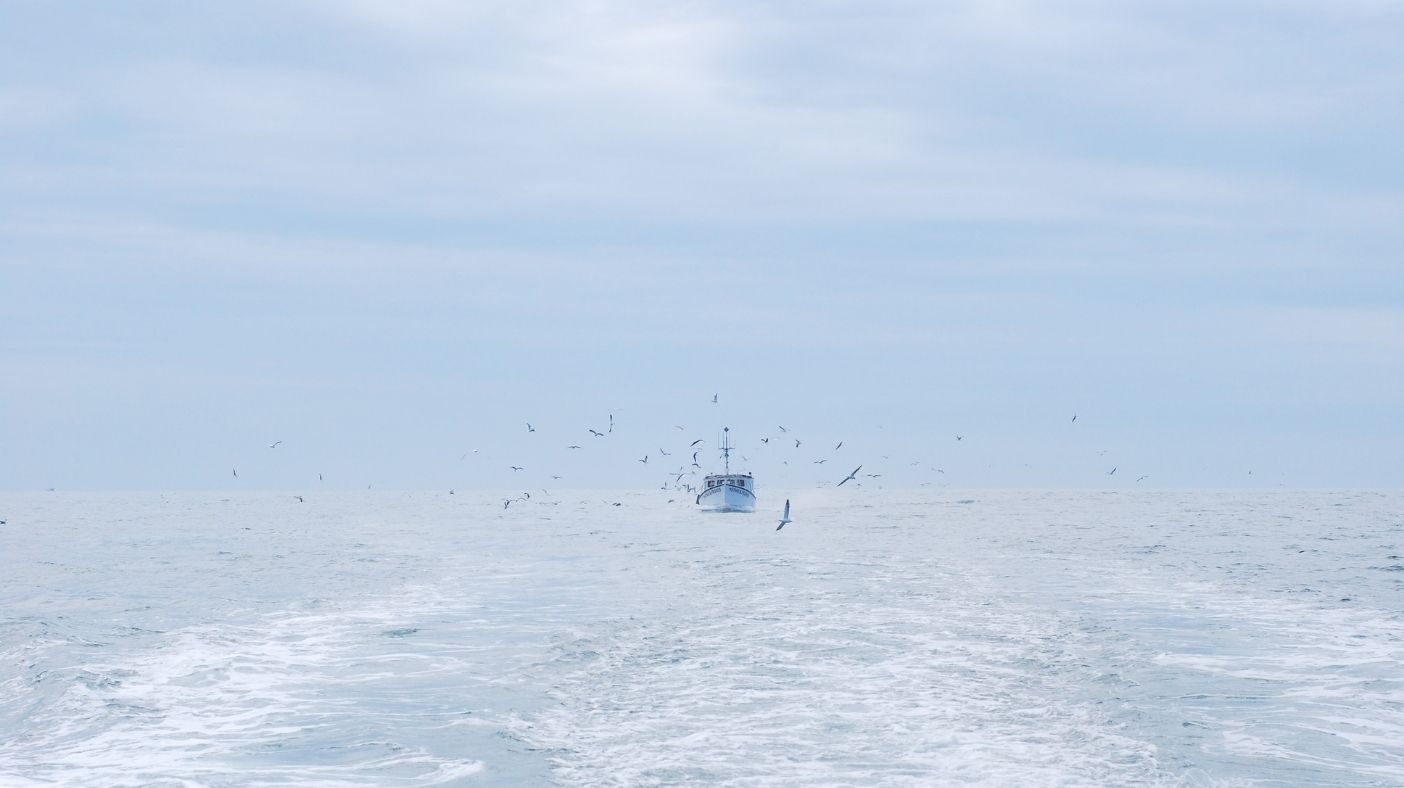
(787, 509)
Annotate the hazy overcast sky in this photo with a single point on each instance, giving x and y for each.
(390, 233)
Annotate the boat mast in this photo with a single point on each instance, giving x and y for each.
(726, 448)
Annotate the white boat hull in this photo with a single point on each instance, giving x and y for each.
(727, 498)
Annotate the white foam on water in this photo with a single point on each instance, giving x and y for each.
(215, 704)
(900, 687)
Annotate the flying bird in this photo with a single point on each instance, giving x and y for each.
(236, 472)
(1111, 472)
(821, 462)
(572, 447)
(1139, 478)
(664, 453)
(1074, 418)
(530, 428)
(597, 433)
(960, 437)
(851, 477)
(299, 498)
(694, 457)
(784, 518)
(680, 428)
(797, 443)
(518, 468)
(782, 428)
(839, 446)
(274, 444)
(765, 440)
(611, 422)
(714, 399)
(694, 443)
(644, 460)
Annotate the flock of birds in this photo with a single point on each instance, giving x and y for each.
(683, 477)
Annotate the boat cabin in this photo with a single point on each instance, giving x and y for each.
(742, 480)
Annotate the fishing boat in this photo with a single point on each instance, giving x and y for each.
(727, 491)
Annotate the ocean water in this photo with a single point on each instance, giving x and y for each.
(883, 638)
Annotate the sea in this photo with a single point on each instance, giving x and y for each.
(596, 638)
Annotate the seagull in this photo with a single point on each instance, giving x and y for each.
(664, 453)
(1139, 478)
(274, 444)
(821, 462)
(960, 437)
(518, 468)
(714, 399)
(299, 498)
(236, 472)
(597, 434)
(694, 443)
(797, 443)
(784, 518)
(530, 428)
(694, 457)
(556, 477)
(611, 422)
(839, 446)
(644, 460)
(765, 440)
(1111, 472)
(506, 502)
(319, 477)
(873, 475)
(782, 428)
(680, 428)
(1074, 418)
(572, 447)
(851, 476)
(450, 492)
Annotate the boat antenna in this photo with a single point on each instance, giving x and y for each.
(726, 448)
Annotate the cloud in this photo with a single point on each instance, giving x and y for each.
(703, 113)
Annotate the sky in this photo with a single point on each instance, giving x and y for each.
(390, 235)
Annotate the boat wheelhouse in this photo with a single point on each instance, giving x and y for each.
(727, 491)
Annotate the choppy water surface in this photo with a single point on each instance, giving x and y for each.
(883, 638)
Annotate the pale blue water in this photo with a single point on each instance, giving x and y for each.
(884, 637)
